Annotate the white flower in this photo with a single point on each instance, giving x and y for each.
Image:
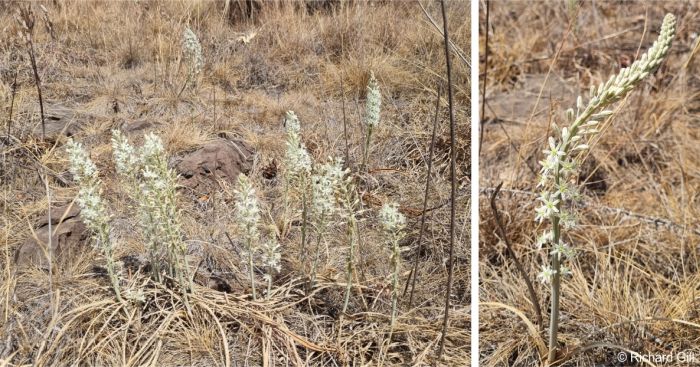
(390, 217)
(373, 103)
(545, 276)
(563, 250)
(555, 152)
(544, 239)
(567, 219)
(548, 208)
(567, 191)
(568, 167)
(564, 270)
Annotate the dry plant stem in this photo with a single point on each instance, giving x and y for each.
(486, 73)
(12, 105)
(453, 181)
(414, 272)
(518, 265)
(37, 81)
(345, 125)
(457, 50)
(50, 244)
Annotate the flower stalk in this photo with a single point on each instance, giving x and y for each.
(248, 214)
(373, 106)
(393, 222)
(559, 167)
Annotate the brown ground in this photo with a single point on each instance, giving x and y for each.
(636, 279)
(116, 65)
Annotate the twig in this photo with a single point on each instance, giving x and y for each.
(345, 126)
(414, 271)
(656, 221)
(518, 265)
(486, 71)
(12, 105)
(453, 180)
(454, 47)
(26, 21)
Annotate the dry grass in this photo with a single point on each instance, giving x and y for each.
(113, 63)
(635, 281)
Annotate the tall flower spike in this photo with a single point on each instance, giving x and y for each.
(248, 215)
(297, 158)
(271, 260)
(373, 109)
(559, 166)
(193, 52)
(373, 103)
(125, 158)
(393, 222)
(323, 186)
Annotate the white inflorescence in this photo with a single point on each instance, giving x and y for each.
(193, 52)
(392, 220)
(81, 166)
(373, 103)
(248, 215)
(271, 258)
(559, 168)
(297, 158)
(247, 209)
(323, 187)
(93, 209)
(125, 158)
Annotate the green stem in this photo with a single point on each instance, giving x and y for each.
(250, 266)
(556, 267)
(351, 235)
(366, 156)
(269, 281)
(314, 267)
(304, 222)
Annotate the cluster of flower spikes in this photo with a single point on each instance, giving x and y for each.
(559, 168)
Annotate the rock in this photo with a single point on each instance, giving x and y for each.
(516, 104)
(59, 121)
(69, 235)
(219, 160)
(136, 126)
